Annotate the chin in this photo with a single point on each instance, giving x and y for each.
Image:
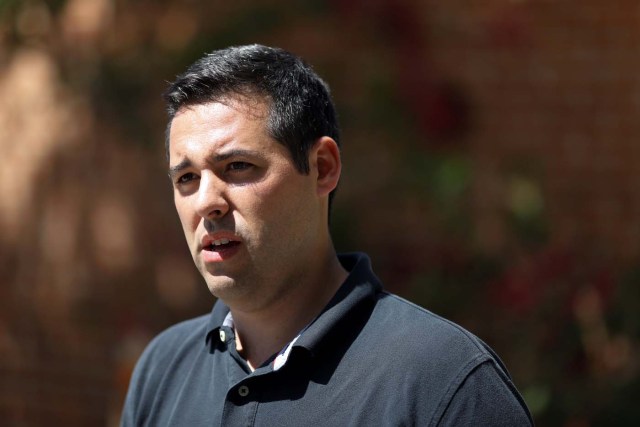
(222, 287)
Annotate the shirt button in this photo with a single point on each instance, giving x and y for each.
(243, 390)
(223, 336)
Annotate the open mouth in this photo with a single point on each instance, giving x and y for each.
(221, 245)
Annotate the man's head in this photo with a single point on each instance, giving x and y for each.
(300, 105)
(253, 169)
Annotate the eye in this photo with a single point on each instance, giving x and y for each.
(186, 178)
(238, 166)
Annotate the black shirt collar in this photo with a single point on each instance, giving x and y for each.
(360, 286)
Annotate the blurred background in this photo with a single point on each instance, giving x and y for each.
(492, 172)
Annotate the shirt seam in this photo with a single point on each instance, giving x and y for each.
(454, 385)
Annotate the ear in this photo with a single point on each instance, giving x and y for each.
(325, 162)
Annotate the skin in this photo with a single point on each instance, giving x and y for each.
(232, 180)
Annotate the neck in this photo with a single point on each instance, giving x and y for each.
(262, 333)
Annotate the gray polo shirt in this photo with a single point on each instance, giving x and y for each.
(369, 359)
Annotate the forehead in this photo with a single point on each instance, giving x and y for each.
(215, 125)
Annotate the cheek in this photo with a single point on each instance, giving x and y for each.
(262, 207)
(288, 205)
(280, 198)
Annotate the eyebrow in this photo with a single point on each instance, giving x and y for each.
(236, 153)
(174, 170)
(186, 163)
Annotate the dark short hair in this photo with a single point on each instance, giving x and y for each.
(300, 107)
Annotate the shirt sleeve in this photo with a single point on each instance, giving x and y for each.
(486, 397)
(143, 386)
(130, 412)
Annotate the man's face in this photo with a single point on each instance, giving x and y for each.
(251, 220)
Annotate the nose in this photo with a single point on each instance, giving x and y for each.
(211, 201)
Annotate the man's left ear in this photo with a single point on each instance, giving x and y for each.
(325, 159)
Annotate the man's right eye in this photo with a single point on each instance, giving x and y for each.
(187, 177)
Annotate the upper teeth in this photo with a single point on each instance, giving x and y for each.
(220, 242)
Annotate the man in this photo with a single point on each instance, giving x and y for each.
(299, 336)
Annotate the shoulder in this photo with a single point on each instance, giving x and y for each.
(415, 328)
(176, 345)
(448, 366)
(437, 350)
(174, 341)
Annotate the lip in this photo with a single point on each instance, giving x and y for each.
(208, 239)
(221, 254)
